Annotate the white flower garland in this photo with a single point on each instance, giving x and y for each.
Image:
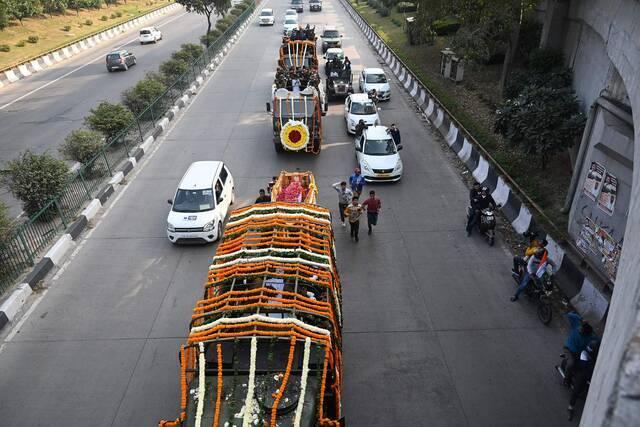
(269, 258)
(235, 222)
(262, 318)
(201, 385)
(281, 207)
(303, 381)
(248, 402)
(267, 250)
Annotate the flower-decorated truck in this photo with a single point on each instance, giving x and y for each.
(265, 342)
(295, 187)
(297, 120)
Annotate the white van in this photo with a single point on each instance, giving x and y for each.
(200, 204)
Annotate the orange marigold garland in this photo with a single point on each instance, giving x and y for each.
(216, 417)
(285, 380)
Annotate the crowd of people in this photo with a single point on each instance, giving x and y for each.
(296, 79)
(306, 33)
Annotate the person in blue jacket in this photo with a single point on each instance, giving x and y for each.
(580, 336)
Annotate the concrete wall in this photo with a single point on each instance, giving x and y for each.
(614, 397)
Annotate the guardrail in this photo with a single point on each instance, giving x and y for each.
(21, 247)
(76, 40)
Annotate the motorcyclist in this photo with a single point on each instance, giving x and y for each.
(536, 266)
(520, 262)
(579, 337)
(480, 199)
(583, 373)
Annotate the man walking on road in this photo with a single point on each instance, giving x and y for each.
(263, 198)
(356, 181)
(353, 212)
(395, 134)
(344, 198)
(373, 205)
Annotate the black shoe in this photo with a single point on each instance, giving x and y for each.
(514, 298)
(369, 231)
(468, 233)
(357, 240)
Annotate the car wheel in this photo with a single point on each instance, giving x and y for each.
(125, 67)
(135, 61)
(155, 41)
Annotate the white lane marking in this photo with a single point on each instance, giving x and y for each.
(20, 98)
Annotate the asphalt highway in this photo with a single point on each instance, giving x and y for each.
(38, 112)
(430, 336)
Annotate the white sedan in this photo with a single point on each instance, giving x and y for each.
(374, 78)
(149, 35)
(377, 155)
(289, 25)
(267, 17)
(358, 107)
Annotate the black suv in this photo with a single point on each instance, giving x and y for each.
(120, 60)
(315, 5)
(297, 5)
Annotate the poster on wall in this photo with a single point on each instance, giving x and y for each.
(608, 194)
(594, 180)
(596, 241)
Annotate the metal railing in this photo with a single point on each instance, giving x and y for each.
(21, 247)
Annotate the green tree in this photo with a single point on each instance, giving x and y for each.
(54, 6)
(4, 15)
(207, 8)
(542, 120)
(188, 53)
(109, 119)
(82, 145)
(21, 9)
(172, 69)
(35, 179)
(5, 220)
(143, 94)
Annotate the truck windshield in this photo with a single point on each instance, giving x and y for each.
(296, 108)
(193, 200)
(379, 147)
(293, 61)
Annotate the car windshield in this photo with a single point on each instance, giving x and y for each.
(113, 56)
(379, 147)
(296, 1)
(145, 32)
(331, 34)
(376, 78)
(266, 13)
(363, 108)
(193, 200)
(290, 21)
(291, 12)
(332, 55)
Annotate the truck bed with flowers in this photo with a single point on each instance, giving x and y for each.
(265, 342)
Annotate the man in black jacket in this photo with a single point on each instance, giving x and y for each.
(480, 199)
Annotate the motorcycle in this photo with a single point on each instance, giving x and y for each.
(540, 290)
(562, 369)
(486, 225)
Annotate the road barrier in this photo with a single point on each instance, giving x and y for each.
(22, 246)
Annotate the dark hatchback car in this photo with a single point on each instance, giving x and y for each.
(120, 60)
(297, 5)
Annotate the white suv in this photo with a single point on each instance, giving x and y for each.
(377, 154)
(266, 17)
(150, 35)
(200, 204)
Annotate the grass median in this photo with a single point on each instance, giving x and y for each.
(44, 33)
(473, 102)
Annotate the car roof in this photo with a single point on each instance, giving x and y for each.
(267, 10)
(377, 132)
(334, 50)
(115, 52)
(147, 28)
(359, 97)
(200, 175)
(373, 71)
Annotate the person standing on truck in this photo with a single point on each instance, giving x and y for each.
(353, 212)
(344, 198)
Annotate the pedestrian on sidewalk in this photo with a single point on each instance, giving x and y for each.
(344, 198)
(373, 205)
(263, 198)
(356, 181)
(395, 134)
(353, 212)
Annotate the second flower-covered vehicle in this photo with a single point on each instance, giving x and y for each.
(377, 154)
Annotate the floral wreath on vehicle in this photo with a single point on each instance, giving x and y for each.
(294, 135)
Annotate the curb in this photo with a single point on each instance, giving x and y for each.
(36, 65)
(58, 251)
(570, 273)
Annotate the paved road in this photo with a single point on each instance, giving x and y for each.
(37, 113)
(430, 336)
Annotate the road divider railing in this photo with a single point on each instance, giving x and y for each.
(574, 270)
(21, 247)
